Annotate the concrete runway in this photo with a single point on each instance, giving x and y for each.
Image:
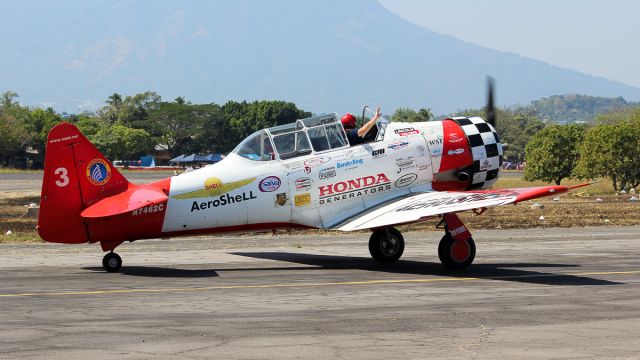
(552, 293)
(32, 182)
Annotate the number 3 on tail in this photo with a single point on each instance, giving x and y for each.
(64, 178)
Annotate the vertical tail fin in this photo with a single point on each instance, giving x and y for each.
(76, 175)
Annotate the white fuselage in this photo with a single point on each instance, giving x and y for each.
(317, 190)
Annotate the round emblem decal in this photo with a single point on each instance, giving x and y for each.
(269, 184)
(98, 172)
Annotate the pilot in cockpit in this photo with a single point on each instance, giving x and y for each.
(356, 136)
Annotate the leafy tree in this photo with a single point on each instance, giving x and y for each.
(38, 123)
(409, 115)
(177, 124)
(136, 109)
(14, 138)
(552, 153)
(245, 118)
(613, 151)
(88, 125)
(121, 143)
(7, 100)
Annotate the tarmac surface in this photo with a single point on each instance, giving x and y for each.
(28, 182)
(531, 294)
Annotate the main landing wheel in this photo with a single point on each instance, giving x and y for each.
(112, 262)
(386, 245)
(456, 254)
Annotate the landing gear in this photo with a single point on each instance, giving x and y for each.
(112, 262)
(456, 254)
(457, 248)
(386, 245)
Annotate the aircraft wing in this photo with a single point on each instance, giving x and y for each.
(419, 206)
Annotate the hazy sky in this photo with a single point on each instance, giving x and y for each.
(596, 37)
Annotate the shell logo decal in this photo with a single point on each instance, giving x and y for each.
(213, 183)
(98, 172)
(214, 186)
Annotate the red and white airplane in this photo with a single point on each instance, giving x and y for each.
(300, 175)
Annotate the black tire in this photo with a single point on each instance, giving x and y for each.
(386, 249)
(112, 262)
(449, 258)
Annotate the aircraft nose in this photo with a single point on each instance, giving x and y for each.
(486, 150)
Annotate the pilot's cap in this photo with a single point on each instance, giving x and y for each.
(348, 121)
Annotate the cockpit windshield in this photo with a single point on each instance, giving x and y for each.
(314, 134)
(256, 147)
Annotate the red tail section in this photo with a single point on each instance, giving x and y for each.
(76, 175)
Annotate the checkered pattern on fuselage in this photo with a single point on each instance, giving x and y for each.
(485, 148)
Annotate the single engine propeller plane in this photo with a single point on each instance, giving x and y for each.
(300, 175)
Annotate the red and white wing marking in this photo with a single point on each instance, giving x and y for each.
(424, 205)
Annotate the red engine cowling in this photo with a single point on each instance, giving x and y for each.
(471, 155)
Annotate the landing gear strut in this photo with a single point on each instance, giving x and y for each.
(457, 248)
(112, 262)
(386, 245)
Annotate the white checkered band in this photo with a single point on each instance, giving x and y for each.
(485, 148)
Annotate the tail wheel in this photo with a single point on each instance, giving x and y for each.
(386, 245)
(112, 262)
(456, 254)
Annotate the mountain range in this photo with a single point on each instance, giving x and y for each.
(325, 56)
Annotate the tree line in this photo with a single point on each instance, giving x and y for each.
(130, 126)
(607, 147)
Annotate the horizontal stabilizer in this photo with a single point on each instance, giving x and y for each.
(135, 197)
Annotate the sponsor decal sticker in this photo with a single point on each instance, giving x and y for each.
(269, 184)
(303, 184)
(223, 200)
(303, 199)
(454, 137)
(98, 172)
(407, 131)
(350, 164)
(455, 152)
(400, 144)
(378, 153)
(455, 199)
(317, 161)
(434, 142)
(355, 188)
(213, 186)
(406, 180)
(405, 163)
(327, 173)
(457, 231)
(281, 199)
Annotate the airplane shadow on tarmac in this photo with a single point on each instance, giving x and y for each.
(502, 271)
(151, 271)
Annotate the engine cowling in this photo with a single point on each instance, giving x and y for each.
(471, 155)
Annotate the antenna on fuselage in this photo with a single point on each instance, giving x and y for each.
(491, 113)
(364, 109)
